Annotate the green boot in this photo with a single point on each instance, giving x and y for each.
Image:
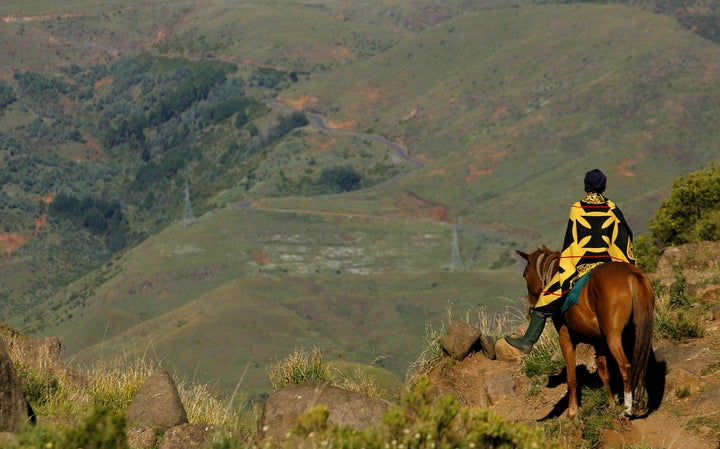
(534, 330)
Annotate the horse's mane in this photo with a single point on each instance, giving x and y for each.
(547, 263)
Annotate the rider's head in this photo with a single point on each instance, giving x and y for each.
(595, 181)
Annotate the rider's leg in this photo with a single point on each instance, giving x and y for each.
(532, 335)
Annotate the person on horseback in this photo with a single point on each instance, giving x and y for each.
(596, 233)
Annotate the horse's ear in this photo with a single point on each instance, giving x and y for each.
(545, 249)
(524, 255)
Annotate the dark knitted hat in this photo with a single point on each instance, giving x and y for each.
(595, 181)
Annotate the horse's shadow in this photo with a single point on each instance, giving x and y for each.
(654, 384)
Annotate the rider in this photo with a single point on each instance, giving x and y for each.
(596, 233)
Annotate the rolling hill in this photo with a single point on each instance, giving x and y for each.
(506, 107)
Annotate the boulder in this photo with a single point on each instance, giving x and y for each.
(43, 355)
(460, 339)
(488, 346)
(187, 436)
(157, 404)
(141, 438)
(505, 352)
(346, 408)
(15, 410)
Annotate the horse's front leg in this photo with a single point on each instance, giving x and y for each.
(568, 351)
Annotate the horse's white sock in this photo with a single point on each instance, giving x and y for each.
(628, 403)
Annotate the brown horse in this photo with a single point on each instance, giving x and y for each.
(618, 296)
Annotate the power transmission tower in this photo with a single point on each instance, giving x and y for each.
(456, 262)
(188, 217)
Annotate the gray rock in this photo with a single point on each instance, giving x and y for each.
(488, 346)
(500, 387)
(346, 408)
(157, 404)
(460, 338)
(141, 437)
(187, 436)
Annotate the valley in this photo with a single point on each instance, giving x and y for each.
(422, 121)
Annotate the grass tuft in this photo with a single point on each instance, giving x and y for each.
(299, 366)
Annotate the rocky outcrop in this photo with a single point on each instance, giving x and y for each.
(346, 408)
(15, 411)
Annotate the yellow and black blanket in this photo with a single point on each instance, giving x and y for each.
(596, 233)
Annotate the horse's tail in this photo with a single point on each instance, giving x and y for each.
(643, 301)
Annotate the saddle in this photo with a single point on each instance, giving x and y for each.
(573, 295)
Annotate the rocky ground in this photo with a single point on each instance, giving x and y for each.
(686, 374)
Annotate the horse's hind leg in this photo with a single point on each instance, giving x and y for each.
(614, 342)
(604, 373)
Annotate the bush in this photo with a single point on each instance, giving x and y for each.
(7, 94)
(675, 316)
(692, 213)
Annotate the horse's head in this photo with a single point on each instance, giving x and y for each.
(538, 271)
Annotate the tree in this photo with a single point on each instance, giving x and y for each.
(7, 94)
(340, 179)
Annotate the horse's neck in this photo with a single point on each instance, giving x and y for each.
(546, 265)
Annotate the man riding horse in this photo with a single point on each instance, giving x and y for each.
(596, 233)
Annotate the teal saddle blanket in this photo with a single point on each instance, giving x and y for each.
(574, 294)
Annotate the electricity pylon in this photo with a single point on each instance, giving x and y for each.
(188, 217)
(456, 262)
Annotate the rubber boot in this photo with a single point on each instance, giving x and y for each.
(532, 335)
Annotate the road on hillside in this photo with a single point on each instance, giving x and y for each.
(319, 123)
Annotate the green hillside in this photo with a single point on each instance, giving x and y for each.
(307, 236)
(245, 287)
(511, 104)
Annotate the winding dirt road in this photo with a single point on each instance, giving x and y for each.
(319, 123)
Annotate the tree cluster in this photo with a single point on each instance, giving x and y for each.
(97, 215)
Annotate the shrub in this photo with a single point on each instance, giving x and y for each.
(101, 429)
(690, 214)
(340, 179)
(675, 316)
